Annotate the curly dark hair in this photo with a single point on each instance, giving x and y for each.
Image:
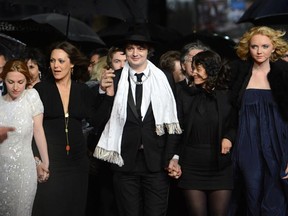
(218, 71)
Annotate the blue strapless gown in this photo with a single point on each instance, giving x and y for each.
(260, 154)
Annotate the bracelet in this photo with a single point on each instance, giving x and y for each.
(38, 162)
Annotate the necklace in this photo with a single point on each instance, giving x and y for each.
(139, 83)
(66, 132)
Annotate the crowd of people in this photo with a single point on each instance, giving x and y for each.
(114, 133)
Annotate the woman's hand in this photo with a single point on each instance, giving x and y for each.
(42, 171)
(226, 146)
(286, 172)
(174, 169)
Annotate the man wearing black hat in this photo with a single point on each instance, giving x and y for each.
(141, 133)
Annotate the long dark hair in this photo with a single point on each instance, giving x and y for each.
(80, 61)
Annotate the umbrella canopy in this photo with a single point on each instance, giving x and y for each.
(30, 32)
(264, 8)
(275, 19)
(12, 47)
(84, 8)
(160, 34)
(72, 28)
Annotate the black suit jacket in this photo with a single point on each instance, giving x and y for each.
(158, 150)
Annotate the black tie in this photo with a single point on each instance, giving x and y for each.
(138, 93)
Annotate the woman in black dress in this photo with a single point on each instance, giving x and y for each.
(66, 103)
(205, 175)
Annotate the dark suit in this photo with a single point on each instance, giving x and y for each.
(142, 179)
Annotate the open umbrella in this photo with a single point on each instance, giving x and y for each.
(160, 34)
(72, 28)
(264, 8)
(12, 47)
(30, 32)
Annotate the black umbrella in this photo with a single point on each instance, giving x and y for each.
(160, 34)
(30, 32)
(265, 8)
(274, 19)
(73, 29)
(120, 9)
(12, 47)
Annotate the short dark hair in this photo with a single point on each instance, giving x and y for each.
(167, 60)
(111, 52)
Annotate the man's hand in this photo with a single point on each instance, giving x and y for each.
(106, 82)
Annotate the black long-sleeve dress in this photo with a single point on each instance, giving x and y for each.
(205, 123)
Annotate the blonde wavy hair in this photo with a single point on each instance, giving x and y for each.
(98, 68)
(276, 36)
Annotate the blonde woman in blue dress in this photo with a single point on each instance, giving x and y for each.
(22, 110)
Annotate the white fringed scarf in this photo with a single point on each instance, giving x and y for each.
(164, 109)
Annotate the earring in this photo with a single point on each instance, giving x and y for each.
(72, 70)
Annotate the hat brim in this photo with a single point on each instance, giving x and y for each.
(135, 39)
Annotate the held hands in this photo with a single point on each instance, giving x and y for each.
(106, 82)
(42, 171)
(174, 169)
(226, 146)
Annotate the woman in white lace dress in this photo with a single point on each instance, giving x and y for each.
(23, 110)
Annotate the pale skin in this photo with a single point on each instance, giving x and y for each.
(186, 66)
(137, 58)
(61, 67)
(199, 75)
(16, 83)
(261, 49)
(118, 60)
(93, 60)
(177, 72)
(2, 63)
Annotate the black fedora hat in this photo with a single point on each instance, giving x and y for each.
(137, 33)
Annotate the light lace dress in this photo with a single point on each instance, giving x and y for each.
(18, 176)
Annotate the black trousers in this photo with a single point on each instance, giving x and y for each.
(141, 192)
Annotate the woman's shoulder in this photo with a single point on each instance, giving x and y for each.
(31, 93)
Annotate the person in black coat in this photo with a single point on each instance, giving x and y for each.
(204, 168)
